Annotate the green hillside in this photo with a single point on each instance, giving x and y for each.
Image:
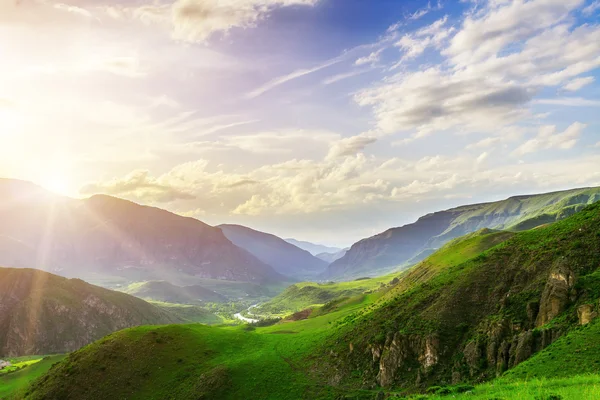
(197, 362)
(482, 305)
(305, 295)
(399, 248)
(11, 383)
(473, 320)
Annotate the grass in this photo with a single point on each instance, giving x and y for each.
(34, 367)
(304, 295)
(197, 362)
(584, 387)
(191, 313)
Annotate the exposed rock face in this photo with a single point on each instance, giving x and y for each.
(586, 313)
(400, 352)
(556, 295)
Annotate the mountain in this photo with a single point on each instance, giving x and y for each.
(397, 247)
(331, 257)
(41, 313)
(167, 292)
(463, 316)
(115, 237)
(284, 257)
(313, 248)
(518, 305)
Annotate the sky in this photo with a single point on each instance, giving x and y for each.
(322, 120)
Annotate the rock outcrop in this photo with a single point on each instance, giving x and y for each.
(405, 352)
(556, 295)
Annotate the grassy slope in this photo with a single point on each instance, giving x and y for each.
(198, 362)
(19, 380)
(557, 205)
(190, 313)
(310, 294)
(459, 301)
(305, 295)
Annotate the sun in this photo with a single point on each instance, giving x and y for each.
(57, 184)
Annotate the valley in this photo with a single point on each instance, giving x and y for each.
(516, 309)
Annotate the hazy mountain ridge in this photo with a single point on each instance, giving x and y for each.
(331, 257)
(284, 257)
(115, 236)
(41, 313)
(167, 292)
(394, 248)
(313, 248)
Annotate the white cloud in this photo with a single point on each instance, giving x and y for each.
(370, 59)
(434, 35)
(592, 8)
(492, 68)
(343, 76)
(548, 138)
(432, 100)
(350, 146)
(578, 83)
(492, 29)
(570, 102)
(289, 77)
(424, 11)
(198, 20)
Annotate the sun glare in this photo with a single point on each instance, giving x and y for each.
(57, 184)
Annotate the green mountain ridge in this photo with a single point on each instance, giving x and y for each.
(399, 248)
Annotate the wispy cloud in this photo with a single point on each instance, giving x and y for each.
(343, 76)
(569, 102)
(290, 77)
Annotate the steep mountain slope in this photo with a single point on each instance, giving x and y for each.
(167, 292)
(313, 248)
(284, 257)
(41, 313)
(331, 257)
(396, 247)
(114, 236)
(474, 319)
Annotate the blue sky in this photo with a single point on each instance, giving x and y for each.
(325, 120)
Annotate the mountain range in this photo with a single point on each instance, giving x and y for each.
(398, 248)
(115, 237)
(313, 248)
(284, 257)
(519, 309)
